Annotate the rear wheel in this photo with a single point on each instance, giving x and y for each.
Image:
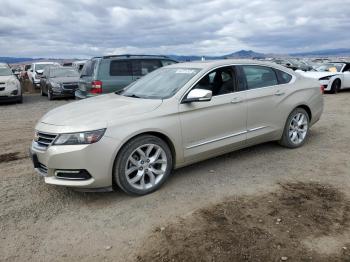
(335, 86)
(143, 165)
(296, 129)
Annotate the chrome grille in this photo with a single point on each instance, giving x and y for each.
(44, 140)
(70, 86)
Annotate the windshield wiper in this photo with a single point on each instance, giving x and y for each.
(132, 95)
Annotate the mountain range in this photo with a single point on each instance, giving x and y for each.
(239, 54)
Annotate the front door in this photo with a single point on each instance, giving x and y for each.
(214, 126)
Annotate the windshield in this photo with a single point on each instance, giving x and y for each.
(5, 71)
(63, 72)
(42, 66)
(160, 84)
(330, 67)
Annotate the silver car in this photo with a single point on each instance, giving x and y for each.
(173, 117)
(10, 87)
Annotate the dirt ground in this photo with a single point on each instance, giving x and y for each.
(264, 203)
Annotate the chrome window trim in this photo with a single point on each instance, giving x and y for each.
(294, 77)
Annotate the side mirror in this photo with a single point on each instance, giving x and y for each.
(198, 95)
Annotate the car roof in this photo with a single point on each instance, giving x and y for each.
(129, 56)
(208, 64)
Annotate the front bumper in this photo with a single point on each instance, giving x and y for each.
(97, 159)
(325, 84)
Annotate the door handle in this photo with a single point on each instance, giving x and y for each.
(236, 100)
(279, 93)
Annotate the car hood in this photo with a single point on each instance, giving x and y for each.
(317, 75)
(69, 79)
(5, 79)
(97, 112)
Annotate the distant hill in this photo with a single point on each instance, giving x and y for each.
(245, 54)
(13, 60)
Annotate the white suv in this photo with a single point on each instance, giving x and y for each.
(10, 87)
(37, 69)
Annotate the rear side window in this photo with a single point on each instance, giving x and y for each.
(120, 68)
(259, 76)
(283, 77)
(88, 68)
(144, 67)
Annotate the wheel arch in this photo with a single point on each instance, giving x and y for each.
(306, 108)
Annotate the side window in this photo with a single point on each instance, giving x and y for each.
(259, 76)
(88, 68)
(219, 81)
(120, 68)
(167, 62)
(144, 67)
(346, 68)
(283, 77)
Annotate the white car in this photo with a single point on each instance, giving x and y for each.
(37, 69)
(332, 76)
(10, 87)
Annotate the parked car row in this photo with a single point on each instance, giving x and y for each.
(172, 117)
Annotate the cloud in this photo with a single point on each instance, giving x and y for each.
(94, 27)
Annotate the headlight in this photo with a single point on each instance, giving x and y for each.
(326, 77)
(13, 84)
(88, 137)
(55, 85)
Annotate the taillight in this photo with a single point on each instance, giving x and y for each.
(322, 89)
(96, 87)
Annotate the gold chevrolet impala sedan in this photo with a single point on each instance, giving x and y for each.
(173, 117)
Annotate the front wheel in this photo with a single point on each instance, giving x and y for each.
(143, 165)
(296, 129)
(335, 86)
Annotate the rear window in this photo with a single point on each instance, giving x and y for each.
(88, 68)
(283, 77)
(259, 76)
(120, 68)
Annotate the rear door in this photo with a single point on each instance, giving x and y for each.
(264, 100)
(141, 67)
(346, 76)
(115, 75)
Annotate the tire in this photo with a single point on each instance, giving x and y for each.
(335, 86)
(42, 91)
(143, 177)
(49, 95)
(20, 99)
(295, 133)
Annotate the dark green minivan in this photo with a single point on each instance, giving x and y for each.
(101, 75)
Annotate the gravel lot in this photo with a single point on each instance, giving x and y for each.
(39, 222)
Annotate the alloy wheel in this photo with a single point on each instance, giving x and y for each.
(298, 128)
(146, 166)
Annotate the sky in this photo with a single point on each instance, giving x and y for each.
(84, 28)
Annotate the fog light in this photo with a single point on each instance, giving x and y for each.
(72, 174)
(14, 92)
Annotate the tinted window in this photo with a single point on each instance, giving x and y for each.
(88, 68)
(219, 81)
(168, 62)
(283, 77)
(144, 67)
(259, 76)
(120, 68)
